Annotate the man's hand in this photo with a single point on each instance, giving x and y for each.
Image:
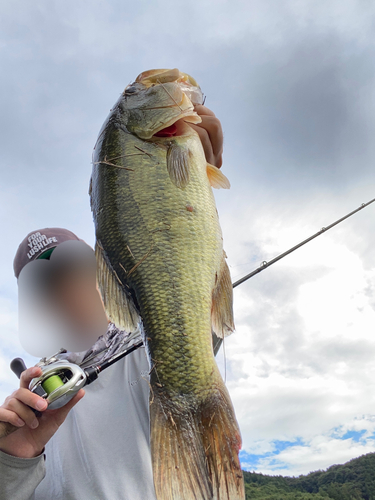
(211, 135)
(33, 433)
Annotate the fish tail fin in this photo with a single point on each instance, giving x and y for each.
(222, 442)
(195, 447)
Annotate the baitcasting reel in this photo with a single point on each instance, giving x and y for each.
(60, 380)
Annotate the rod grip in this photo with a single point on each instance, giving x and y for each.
(7, 428)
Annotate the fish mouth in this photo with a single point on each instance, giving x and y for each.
(177, 127)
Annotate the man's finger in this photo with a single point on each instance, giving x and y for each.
(202, 110)
(24, 412)
(11, 417)
(28, 375)
(28, 398)
(206, 143)
(213, 127)
(9, 422)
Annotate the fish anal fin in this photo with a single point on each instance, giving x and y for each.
(117, 303)
(195, 447)
(222, 303)
(216, 177)
(178, 165)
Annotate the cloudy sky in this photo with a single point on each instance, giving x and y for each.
(293, 84)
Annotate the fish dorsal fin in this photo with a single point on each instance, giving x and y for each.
(178, 157)
(217, 178)
(222, 303)
(118, 304)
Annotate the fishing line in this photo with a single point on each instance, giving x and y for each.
(225, 363)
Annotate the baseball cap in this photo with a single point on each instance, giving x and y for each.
(37, 243)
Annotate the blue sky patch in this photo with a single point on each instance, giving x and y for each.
(251, 461)
(354, 435)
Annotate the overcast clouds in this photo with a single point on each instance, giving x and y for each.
(293, 84)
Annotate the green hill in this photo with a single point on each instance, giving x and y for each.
(354, 480)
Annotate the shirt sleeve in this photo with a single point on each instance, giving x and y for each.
(20, 476)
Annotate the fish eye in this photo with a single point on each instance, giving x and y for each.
(130, 90)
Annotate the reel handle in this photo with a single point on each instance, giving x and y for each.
(17, 365)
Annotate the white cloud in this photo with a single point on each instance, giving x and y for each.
(317, 454)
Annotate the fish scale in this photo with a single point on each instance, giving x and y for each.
(169, 260)
(160, 253)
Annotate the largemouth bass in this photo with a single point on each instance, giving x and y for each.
(160, 258)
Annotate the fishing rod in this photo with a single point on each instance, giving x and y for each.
(266, 264)
(218, 341)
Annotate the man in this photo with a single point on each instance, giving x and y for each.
(98, 449)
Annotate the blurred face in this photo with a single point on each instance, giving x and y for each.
(78, 299)
(59, 302)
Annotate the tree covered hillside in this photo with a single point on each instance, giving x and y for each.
(354, 480)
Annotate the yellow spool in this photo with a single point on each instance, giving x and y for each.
(52, 383)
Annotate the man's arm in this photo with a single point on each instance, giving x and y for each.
(19, 477)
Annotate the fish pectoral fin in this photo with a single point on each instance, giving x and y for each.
(216, 177)
(194, 447)
(178, 157)
(118, 304)
(222, 303)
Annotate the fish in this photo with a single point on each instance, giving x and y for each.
(160, 260)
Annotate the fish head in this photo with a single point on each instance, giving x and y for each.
(160, 103)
